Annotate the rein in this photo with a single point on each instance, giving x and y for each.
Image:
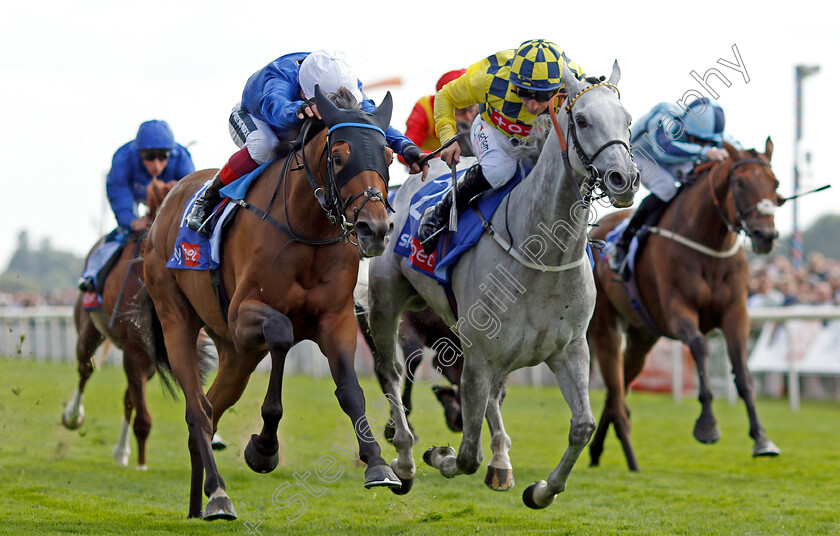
(761, 206)
(328, 196)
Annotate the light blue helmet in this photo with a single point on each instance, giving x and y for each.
(705, 119)
(155, 134)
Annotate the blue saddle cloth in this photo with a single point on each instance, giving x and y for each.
(193, 251)
(451, 246)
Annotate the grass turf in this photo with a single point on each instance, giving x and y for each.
(57, 481)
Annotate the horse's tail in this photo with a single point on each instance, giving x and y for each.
(154, 342)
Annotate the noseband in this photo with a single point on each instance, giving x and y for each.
(595, 179)
(763, 207)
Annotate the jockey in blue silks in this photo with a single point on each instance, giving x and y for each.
(667, 143)
(276, 100)
(152, 154)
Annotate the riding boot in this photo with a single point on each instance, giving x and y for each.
(648, 207)
(204, 205)
(436, 218)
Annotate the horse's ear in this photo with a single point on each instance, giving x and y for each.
(768, 148)
(382, 114)
(572, 84)
(615, 76)
(329, 111)
(733, 152)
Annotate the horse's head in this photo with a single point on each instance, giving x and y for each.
(599, 137)
(754, 198)
(357, 160)
(155, 192)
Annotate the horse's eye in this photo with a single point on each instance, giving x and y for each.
(336, 159)
(581, 122)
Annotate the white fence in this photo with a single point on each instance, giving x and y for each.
(793, 342)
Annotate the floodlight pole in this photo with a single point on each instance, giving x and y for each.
(802, 71)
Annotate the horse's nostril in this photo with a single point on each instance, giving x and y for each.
(363, 229)
(615, 179)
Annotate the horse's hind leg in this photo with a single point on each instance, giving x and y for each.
(736, 329)
(639, 343)
(499, 476)
(572, 372)
(604, 336)
(389, 292)
(87, 343)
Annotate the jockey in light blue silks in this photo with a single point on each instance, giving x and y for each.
(667, 143)
(153, 154)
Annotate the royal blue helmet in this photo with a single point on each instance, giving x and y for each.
(155, 134)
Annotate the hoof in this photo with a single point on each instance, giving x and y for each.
(434, 454)
(499, 479)
(528, 496)
(217, 443)
(219, 508)
(143, 467)
(73, 423)
(121, 456)
(765, 447)
(405, 486)
(258, 462)
(706, 433)
(381, 475)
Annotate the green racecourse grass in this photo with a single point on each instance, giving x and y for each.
(57, 481)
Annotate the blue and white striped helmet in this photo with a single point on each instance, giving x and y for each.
(705, 119)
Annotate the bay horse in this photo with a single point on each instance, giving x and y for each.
(289, 268)
(692, 278)
(119, 321)
(521, 304)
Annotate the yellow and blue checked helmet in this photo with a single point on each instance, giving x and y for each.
(538, 65)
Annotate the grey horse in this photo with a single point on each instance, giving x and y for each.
(522, 301)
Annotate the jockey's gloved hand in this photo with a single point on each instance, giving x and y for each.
(411, 153)
(307, 109)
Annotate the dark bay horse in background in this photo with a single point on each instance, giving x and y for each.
(120, 320)
(692, 278)
(289, 268)
(547, 305)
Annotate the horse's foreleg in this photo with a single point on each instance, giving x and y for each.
(604, 338)
(571, 368)
(499, 476)
(87, 343)
(736, 329)
(337, 339)
(122, 449)
(685, 327)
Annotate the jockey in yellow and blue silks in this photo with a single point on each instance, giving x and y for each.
(153, 154)
(275, 101)
(667, 143)
(512, 87)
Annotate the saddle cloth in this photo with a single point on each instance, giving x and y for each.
(451, 246)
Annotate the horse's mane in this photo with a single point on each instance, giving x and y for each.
(341, 98)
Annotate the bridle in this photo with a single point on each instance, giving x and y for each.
(595, 179)
(328, 194)
(763, 207)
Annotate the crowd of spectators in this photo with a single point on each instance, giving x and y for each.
(775, 281)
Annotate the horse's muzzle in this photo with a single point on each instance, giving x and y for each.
(373, 237)
(763, 240)
(622, 187)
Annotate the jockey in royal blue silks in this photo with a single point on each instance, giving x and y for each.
(667, 143)
(153, 154)
(276, 100)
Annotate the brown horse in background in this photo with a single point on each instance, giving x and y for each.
(692, 278)
(118, 321)
(289, 266)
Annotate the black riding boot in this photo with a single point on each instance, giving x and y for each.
(204, 206)
(649, 206)
(436, 218)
